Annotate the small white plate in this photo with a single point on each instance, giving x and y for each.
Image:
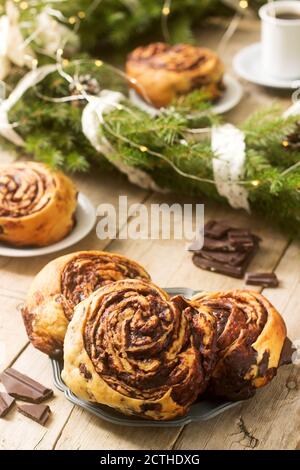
(230, 98)
(248, 64)
(85, 221)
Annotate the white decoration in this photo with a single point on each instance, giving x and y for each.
(92, 116)
(13, 49)
(293, 110)
(228, 144)
(28, 81)
(51, 35)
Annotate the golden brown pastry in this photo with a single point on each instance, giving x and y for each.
(131, 347)
(161, 72)
(61, 285)
(251, 335)
(37, 205)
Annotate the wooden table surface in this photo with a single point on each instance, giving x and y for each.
(270, 420)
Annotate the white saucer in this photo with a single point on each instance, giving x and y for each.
(247, 64)
(85, 221)
(231, 97)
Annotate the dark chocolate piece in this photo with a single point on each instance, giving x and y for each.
(214, 266)
(214, 229)
(24, 388)
(233, 259)
(237, 271)
(287, 352)
(6, 403)
(38, 413)
(262, 279)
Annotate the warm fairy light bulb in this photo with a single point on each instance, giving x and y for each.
(119, 107)
(243, 4)
(65, 62)
(23, 5)
(255, 183)
(143, 148)
(98, 63)
(34, 63)
(79, 87)
(81, 15)
(285, 143)
(72, 19)
(133, 80)
(166, 11)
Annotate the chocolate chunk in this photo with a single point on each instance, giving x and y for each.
(220, 267)
(262, 279)
(6, 402)
(214, 266)
(222, 245)
(233, 259)
(38, 413)
(287, 352)
(24, 388)
(215, 229)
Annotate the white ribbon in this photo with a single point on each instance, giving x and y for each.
(28, 81)
(228, 144)
(92, 116)
(13, 49)
(293, 110)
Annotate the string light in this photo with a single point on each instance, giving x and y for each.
(98, 63)
(285, 143)
(65, 62)
(23, 5)
(255, 183)
(143, 148)
(72, 19)
(165, 12)
(243, 4)
(81, 15)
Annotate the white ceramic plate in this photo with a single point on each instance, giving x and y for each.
(85, 221)
(247, 64)
(229, 100)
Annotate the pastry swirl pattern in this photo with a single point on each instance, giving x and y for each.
(132, 347)
(250, 338)
(32, 197)
(162, 72)
(62, 284)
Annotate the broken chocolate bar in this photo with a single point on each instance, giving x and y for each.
(221, 268)
(38, 413)
(6, 403)
(24, 388)
(214, 229)
(233, 259)
(262, 279)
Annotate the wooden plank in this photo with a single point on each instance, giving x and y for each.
(19, 432)
(271, 420)
(12, 334)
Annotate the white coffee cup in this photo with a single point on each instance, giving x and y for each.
(280, 40)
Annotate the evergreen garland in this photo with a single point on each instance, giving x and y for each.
(164, 146)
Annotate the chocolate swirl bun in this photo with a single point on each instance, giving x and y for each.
(251, 335)
(61, 285)
(131, 347)
(162, 72)
(37, 205)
